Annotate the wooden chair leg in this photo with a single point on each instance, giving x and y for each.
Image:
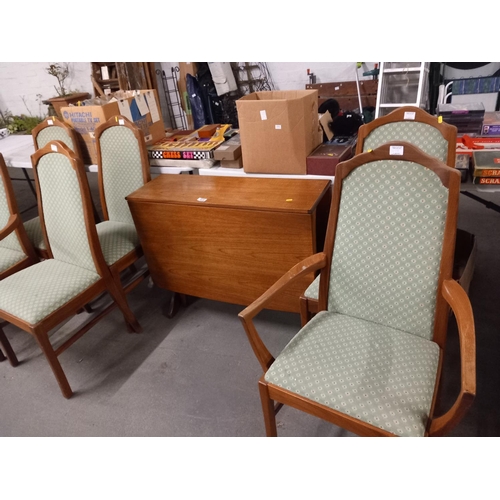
(7, 349)
(46, 347)
(305, 313)
(268, 410)
(121, 300)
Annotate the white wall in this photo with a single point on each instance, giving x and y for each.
(26, 80)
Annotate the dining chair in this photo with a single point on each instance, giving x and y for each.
(123, 167)
(39, 298)
(410, 124)
(371, 359)
(16, 251)
(50, 129)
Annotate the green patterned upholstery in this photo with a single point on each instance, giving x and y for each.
(117, 240)
(33, 228)
(33, 293)
(424, 136)
(9, 257)
(63, 211)
(54, 133)
(387, 251)
(10, 242)
(371, 372)
(121, 170)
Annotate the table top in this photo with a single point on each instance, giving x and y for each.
(17, 151)
(239, 172)
(255, 193)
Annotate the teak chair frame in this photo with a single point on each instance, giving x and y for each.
(308, 305)
(107, 282)
(133, 256)
(14, 224)
(449, 294)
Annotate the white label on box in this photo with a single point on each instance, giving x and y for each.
(337, 88)
(53, 147)
(121, 122)
(142, 104)
(124, 108)
(104, 73)
(222, 148)
(263, 115)
(277, 127)
(409, 115)
(153, 109)
(396, 150)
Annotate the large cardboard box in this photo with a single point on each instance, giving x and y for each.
(278, 129)
(143, 109)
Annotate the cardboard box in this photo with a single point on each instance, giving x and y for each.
(325, 158)
(491, 123)
(278, 130)
(232, 163)
(85, 119)
(229, 150)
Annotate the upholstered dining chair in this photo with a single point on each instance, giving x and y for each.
(50, 129)
(16, 251)
(123, 167)
(42, 296)
(410, 124)
(371, 359)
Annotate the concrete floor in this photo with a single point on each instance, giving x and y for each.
(196, 375)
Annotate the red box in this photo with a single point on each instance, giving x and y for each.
(325, 158)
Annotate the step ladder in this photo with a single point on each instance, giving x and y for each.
(402, 84)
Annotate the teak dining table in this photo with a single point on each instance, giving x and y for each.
(229, 239)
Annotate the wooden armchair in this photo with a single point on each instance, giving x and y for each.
(51, 129)
(42, 296)
(371, 359)
(16, 251)
(410, 124)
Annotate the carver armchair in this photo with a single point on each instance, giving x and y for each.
(51, 129)
(410, 124)
(370, 360)
(16, 251)
(42, 296)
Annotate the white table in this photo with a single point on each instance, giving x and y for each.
(239, 172)
(17, 151)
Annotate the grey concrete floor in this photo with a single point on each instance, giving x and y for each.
(196, 375)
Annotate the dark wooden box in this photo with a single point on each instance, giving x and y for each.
(324, 159)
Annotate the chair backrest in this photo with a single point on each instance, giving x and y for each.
(17, 239)
(53, 129)
(64, 205)
(391, 239)
(414, 125)
(123, 164)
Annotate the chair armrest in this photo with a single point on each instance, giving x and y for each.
(306, 266)
(12, 224)
(455, 295)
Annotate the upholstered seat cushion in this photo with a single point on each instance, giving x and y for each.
(117, 239)
(9, 257)
(34, 230)
(368, 371)
(33, 293)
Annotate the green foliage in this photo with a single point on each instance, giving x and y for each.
(19, 124)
